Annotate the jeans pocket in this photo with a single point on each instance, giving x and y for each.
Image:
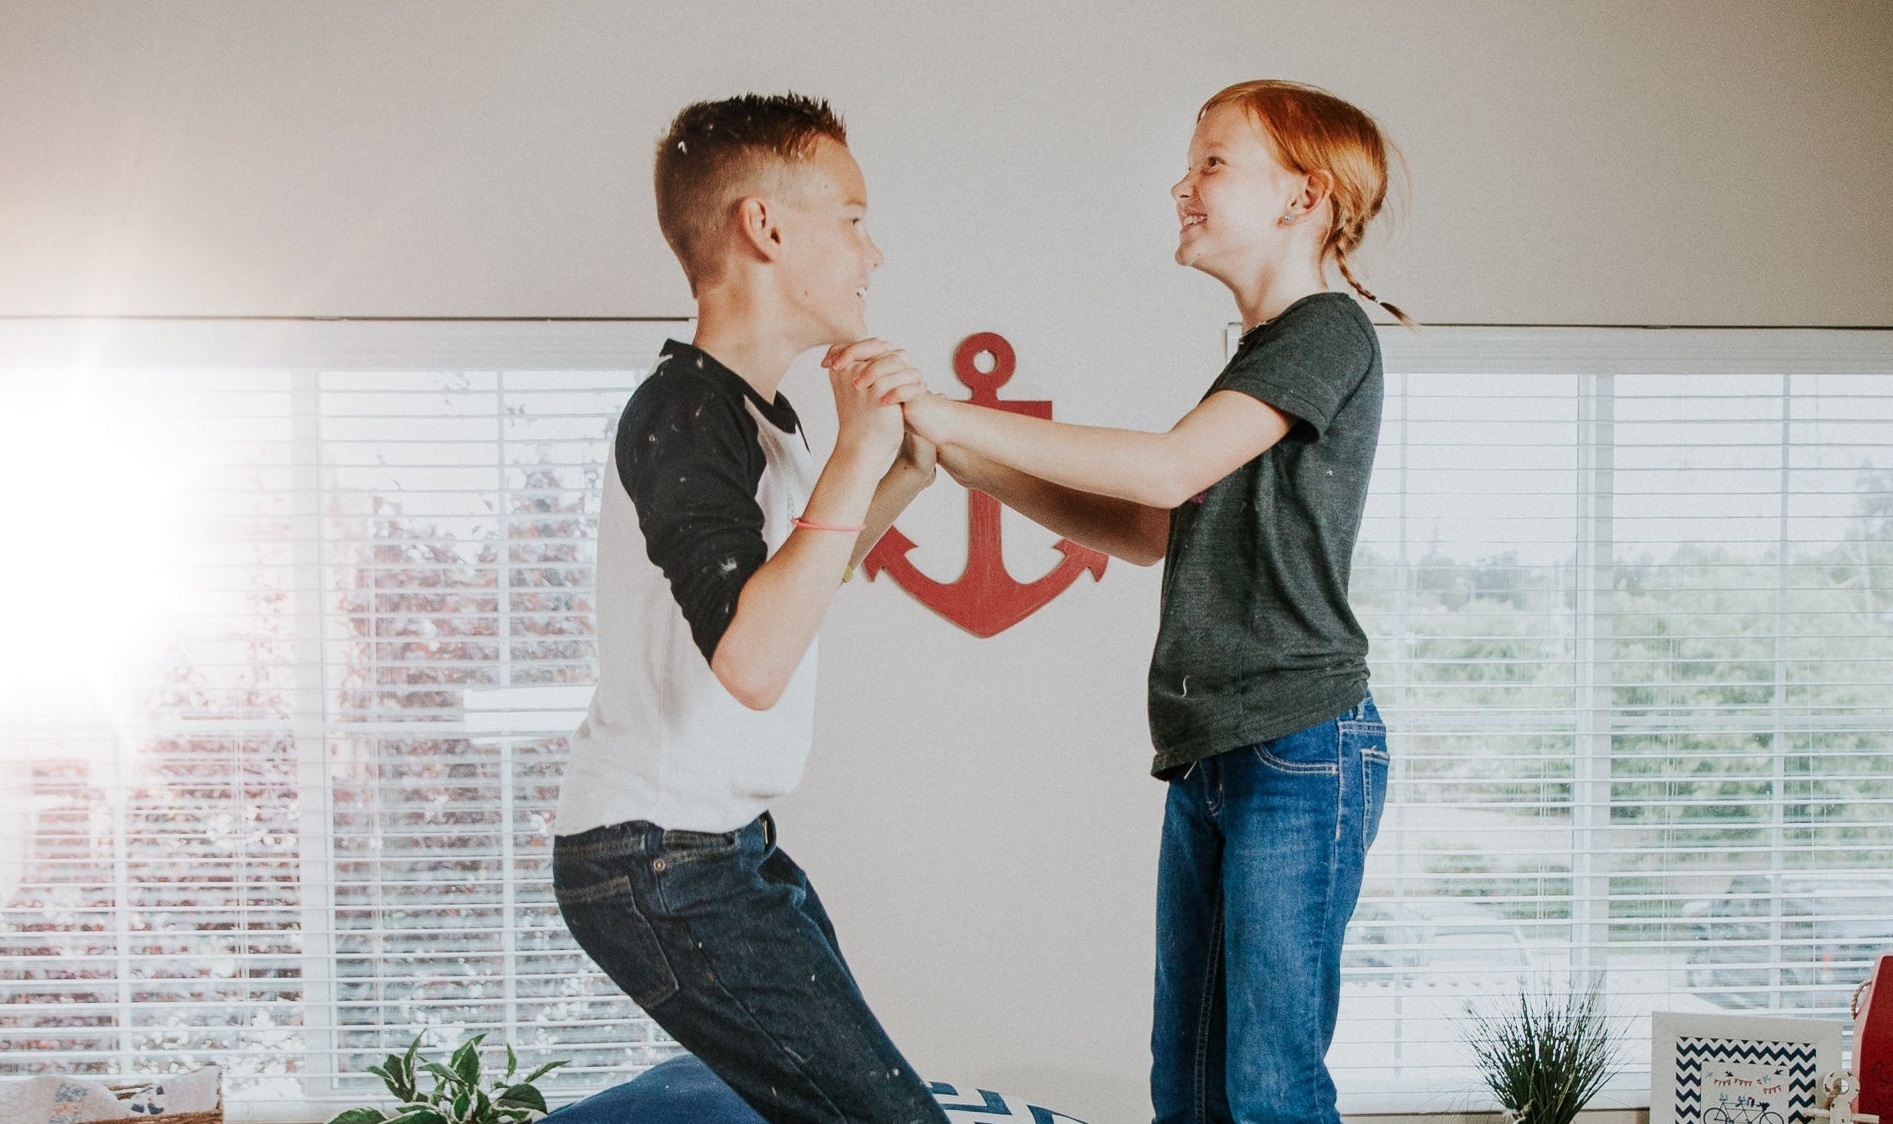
(689, 846)
(1366, 735)
(1313, 752)
(605, 920)
(1374, 764)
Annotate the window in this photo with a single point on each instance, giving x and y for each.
(298, 621)
(1631, 602)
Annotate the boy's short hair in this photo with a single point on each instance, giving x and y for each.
(716, 152)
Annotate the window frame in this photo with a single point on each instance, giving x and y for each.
(307, 348)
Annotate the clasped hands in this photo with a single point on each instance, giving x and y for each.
(881, 374)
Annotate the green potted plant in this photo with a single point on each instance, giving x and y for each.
(458, 1096)
(1546, 1058)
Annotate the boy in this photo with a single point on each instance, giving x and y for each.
(719, 550)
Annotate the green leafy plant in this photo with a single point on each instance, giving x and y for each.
(458, 1097)
(1545, 1059)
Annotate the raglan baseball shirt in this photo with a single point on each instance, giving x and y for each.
(707, 476)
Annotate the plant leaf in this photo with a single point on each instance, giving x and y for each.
(457, 1096)
(466, 1060)
(523, 1095)
(545, 1069)
(400, 1083)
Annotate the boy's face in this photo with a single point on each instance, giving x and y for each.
(1230, 201)
(827, 254)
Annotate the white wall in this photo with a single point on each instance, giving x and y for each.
(977, 812)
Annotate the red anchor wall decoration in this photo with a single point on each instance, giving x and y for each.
(985, 600)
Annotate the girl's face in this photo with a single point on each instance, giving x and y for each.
(1231, 202)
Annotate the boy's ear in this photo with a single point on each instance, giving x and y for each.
(759, 235)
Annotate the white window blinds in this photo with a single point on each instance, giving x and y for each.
(298, 621)
(305, 624)
(1631, 602)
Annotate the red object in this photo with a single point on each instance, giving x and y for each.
(985, 600)
(1873, 1042)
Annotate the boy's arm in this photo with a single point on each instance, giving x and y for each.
(782, 604)
(913, 470)
(1137, 533)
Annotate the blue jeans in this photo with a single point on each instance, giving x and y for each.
(1260, 867)
(723, 942)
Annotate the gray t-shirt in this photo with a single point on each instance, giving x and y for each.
(1257, 639)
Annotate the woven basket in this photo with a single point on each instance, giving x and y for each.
(125, 1090)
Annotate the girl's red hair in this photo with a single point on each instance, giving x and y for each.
(1314, 131)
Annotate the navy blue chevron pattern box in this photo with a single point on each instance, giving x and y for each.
(1726, 1069)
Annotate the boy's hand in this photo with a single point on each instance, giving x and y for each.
(926, 414)
(917, 458)
(868, 394)
(961, 465)
(877, 361)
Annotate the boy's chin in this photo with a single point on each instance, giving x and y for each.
(848, 331)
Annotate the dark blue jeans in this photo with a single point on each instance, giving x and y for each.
(723, 942)
(1260, 868)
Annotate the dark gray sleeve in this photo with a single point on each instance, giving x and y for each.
(690, 460)
(1309, 366)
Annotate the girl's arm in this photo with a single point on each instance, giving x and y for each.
(1157, 470)
(1135, 532)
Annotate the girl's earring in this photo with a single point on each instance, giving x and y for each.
(1288, 218)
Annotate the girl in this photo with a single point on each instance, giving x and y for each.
(1275, 755)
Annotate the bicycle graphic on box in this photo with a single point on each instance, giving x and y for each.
(1741, 1109)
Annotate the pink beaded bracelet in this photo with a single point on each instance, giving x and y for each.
(811, 525)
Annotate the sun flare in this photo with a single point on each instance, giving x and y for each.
(90, 558)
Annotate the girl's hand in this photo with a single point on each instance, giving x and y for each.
(860, 351)
(890, 377)
(930, 416)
